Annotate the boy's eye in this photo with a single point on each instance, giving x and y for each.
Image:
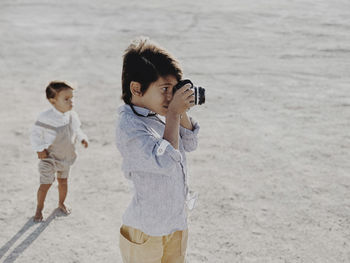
(165, 88)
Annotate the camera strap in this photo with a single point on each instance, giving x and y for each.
(138, 114)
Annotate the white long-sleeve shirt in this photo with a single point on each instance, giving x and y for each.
(41, 138)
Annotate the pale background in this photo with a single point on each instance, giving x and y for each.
(272, 168)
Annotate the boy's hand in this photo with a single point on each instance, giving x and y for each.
(43, 154)
(182, 100)
(85, 143)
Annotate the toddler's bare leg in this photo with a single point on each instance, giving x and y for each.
(62, 193)
(42, 191)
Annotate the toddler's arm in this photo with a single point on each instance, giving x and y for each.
(81, 136)
(38, 142)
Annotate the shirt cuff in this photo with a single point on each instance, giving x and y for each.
(165, 146)
(186, 133)
(81, 137)
(40, 148)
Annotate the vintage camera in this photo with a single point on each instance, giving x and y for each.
(199, 92)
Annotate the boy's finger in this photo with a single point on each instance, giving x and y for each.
(185, 88)
(189, 93)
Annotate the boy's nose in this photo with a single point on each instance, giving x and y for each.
(169, 96)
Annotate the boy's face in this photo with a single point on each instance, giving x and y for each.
(63, 101)
(159, 94)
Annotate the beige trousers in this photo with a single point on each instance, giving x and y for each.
(137, 247)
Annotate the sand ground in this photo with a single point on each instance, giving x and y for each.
(272, 168)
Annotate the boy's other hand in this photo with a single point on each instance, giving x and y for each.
(182, 100)
(43, 154)
(85, 143)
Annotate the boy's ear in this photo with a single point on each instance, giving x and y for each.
(135, 88)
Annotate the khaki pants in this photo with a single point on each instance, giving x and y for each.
(137, 247)
(49, 167)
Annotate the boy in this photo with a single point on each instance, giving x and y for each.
(53, 138)
(155, 223)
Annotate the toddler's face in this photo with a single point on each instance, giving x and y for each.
(63, 101)
(159, 94)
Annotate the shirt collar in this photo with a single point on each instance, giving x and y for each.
(57, 112)
(142, 111)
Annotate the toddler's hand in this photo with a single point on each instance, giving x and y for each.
(85, 143)
(43, 154)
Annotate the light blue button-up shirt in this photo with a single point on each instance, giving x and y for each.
(157, 171)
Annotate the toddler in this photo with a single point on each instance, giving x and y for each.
(53, 137)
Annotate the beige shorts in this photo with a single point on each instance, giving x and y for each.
(49, 167)
(138, 247)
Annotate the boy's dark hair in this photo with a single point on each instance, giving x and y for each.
(55, 87)
(145, 62)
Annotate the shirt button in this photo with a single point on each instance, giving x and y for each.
(160, 151)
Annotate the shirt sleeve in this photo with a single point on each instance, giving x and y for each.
(76, 124)
(142, 151)
(38, 139)
(188, 137)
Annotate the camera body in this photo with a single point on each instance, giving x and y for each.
(199, 92)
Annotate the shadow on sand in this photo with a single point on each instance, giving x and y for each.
(29, 240)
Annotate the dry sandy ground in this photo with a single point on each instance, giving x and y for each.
(272, 168)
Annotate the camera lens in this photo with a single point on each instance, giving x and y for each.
(201, 95)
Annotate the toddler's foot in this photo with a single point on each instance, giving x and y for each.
(64, 209)
(38, 216)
